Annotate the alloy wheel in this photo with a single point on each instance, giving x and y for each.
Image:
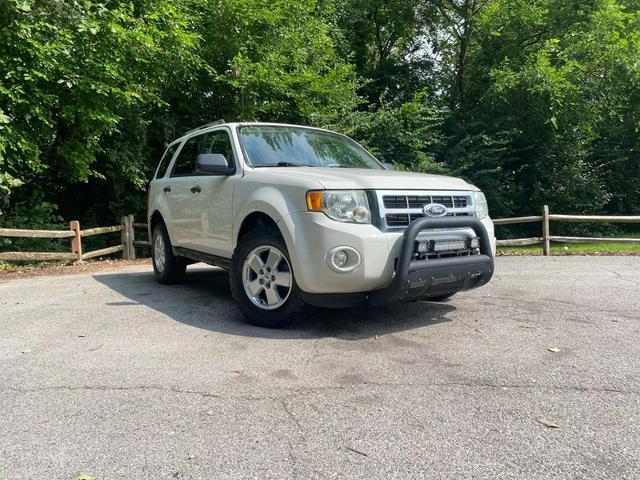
(159, 253)
(267, 277)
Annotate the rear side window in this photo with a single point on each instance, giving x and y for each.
(166, 159)
(212, 142)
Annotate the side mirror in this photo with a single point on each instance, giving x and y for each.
(214, 164)
(389, 166)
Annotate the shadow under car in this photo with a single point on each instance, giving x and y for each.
(203, 300)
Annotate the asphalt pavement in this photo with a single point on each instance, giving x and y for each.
(534, 376)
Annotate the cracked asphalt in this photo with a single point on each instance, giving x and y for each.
(117, 377)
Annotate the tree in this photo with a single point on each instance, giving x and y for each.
(71, 72)
(544, 82)
(535, 101)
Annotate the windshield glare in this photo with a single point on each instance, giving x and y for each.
(272, 146)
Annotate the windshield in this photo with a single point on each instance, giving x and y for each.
(282, 146)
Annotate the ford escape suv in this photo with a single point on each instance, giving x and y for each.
(304, 215)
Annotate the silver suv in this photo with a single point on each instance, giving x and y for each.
(304, 215)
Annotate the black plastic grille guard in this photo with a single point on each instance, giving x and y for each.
(400, 284)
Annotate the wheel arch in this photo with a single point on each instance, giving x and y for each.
(155, 219)
(257, 219)
(273, 206)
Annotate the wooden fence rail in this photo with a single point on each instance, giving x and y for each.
(76, 234)
(128, 242)
(547, 238)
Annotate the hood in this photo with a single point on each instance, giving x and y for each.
(366, 179)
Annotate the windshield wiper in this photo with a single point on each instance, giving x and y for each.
(284, 164)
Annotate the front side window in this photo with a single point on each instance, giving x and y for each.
(211, 142)
(284, 146)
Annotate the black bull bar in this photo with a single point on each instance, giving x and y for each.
(423, 278)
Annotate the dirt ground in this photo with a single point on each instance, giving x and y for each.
(57, 268)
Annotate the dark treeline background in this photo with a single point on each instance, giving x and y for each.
(534, 101)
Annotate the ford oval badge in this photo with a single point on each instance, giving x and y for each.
(435, 210)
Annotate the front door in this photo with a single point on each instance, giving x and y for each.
(212, 230)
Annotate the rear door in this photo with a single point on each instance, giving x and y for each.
(158, 195)
(182, 177)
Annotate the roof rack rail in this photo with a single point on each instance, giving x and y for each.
(206, 125)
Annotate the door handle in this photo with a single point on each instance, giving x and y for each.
(196, 189)
(166, 189)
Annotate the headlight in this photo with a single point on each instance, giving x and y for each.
(341, 205)
(482, 209)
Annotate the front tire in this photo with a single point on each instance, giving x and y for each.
(168, 268)
(262, 281)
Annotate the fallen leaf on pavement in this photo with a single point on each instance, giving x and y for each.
(546, 423)
(554, 349)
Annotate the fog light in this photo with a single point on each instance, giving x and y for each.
(340, 258)
(343, 259)
(475, 243)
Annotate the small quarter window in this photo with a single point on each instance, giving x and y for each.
(166, 160)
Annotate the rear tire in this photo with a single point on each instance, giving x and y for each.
(262, 280)
(167, 267)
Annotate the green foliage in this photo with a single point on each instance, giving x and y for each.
(549, 83)
(406, 135)
(385, 40)
(35, 214)
(535, 101)
(284, 68)
(70, 73)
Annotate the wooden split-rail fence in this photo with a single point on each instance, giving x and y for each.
(546, 218)
(128, 243)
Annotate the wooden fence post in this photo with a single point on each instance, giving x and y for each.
(76, 240)
(132, 239)
(546, 243)
(125, 238)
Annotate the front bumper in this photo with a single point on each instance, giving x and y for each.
(415, 279)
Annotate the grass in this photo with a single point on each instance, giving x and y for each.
(11, 266)
(605, 248)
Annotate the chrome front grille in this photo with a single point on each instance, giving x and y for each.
(395, 201)
(399, 209)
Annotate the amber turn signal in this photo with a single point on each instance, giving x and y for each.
(314, 201)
